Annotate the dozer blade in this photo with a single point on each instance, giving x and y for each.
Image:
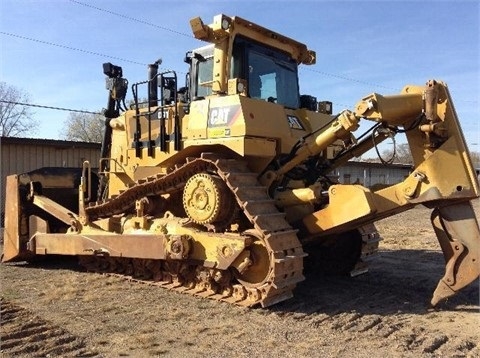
(49, 211)
(459, 236)
(12, 246)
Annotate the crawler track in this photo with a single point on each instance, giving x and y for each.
(283, 269)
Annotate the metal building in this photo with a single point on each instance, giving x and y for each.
(20, 155)
(372, 174)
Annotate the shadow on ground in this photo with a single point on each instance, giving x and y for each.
(400, 281)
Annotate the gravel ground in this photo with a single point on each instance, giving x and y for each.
(56, 310)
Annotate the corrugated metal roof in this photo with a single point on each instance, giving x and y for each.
(48, 142)
(377, 165)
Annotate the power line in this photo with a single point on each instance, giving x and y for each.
(349, 79)
(79, 110)
(144, 64)
(89, 112)
(180, 33)
(79, 49)
(188, 35)
(49, 107)
(132, 19)
(371, 83)
(70, 48)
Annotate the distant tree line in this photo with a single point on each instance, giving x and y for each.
(83, 127)
(404, 156)
(15, 118)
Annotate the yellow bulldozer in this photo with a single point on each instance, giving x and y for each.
(221, 187)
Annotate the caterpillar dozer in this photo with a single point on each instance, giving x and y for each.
(221, 187)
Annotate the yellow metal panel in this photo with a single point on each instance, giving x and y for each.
(337, 213)
(11, 246)
(195, 123)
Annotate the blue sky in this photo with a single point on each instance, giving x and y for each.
(362, 47)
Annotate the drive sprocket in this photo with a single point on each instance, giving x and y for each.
(207, 199)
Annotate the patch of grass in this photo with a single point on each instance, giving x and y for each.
(146, 340)
(10, 294)
(178, 315)
(69, 290)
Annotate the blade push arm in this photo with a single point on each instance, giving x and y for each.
(443, 178)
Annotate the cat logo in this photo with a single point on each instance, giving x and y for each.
(219, 116)
(294, 123)
(224, 116)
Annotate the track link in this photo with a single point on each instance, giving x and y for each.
(269, 226)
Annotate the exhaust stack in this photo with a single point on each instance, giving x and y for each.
(153, 83)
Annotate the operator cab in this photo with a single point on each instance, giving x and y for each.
(271, 74)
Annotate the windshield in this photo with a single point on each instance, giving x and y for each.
(272, 80)
(271, 74)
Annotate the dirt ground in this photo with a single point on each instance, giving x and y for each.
(54, 310)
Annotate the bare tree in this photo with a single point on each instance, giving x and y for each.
(402, 154)
(475, 159)
(84, 127)
(15, 117)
